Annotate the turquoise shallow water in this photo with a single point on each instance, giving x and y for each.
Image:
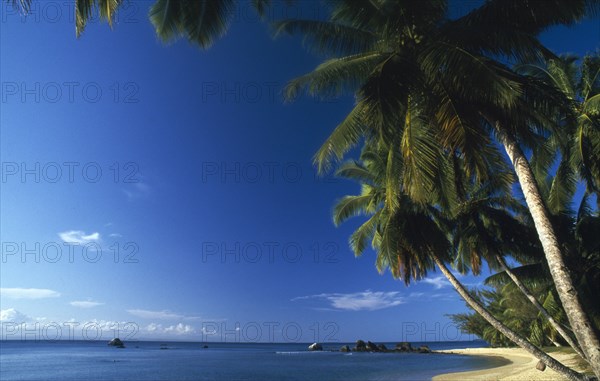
(90, 360)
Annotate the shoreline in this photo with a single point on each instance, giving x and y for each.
(521, 365)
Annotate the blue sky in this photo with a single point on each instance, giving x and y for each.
(168, 192)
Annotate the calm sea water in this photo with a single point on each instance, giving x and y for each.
(149, 361)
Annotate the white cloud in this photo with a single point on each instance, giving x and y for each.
(115, 235)
(85, 303)
(11, 315)
(153, 327)
(137, 190)
(154, 330)
(28, 293)
(180, 329)
(445, 296)
(437, 282)
(359, 301)
(161, 315)
(79, 237)
(17, 325)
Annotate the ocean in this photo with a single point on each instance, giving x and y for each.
(173, 361)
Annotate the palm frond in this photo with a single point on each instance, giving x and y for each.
(325, 37)
(364, 233)
(531, 275)
(336, 76)
(166, 16)
(353, 170)
(420, 157)
(350, 206)
(201, 21)
(22, 6)
(84, 10)
(346, 135)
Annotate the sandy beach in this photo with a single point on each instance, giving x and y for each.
(521, 367)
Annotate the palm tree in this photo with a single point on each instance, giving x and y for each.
(394, 52)
(411, 238)
(577, 233)
(486, 227)
(576, 145)
(507, 303)
(202, 22)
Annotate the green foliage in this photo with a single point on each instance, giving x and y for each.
(576, 144)
(202, 22)
(513, 309)
(429, 85)
(404, 233)
(83, 12)
(578, 235)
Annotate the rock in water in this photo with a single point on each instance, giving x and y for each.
(424, 349)
(315, 347)
(372, 347)
(345, 348)
(540, 366)
(116, 342)
(404, 347)
(382, 347)
(360, 346)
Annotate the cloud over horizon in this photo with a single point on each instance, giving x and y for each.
(179, 329)
(11, 315)
(359, 301)
(85, 303)
(79, 237)
(27, 293)
(161, 315)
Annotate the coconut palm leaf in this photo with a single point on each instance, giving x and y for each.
(336, 76)
(351, 206)
(325, 37)
(200, 21)
(23, 6)
(364, 233)
(84, 9)
(347, 135)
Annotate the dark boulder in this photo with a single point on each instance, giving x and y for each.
(372, 347)
(404, 347)
(424, 349)
(315, 347)
(382, 348)
(361, 346)
(345, 348)
(116, 342)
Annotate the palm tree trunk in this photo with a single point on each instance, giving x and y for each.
(559, 328)
(513, 336)
(578, 319)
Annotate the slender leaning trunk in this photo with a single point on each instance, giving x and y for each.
(551, 362)
(578, 319)
(559, 328)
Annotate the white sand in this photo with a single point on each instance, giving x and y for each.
(521, 368)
